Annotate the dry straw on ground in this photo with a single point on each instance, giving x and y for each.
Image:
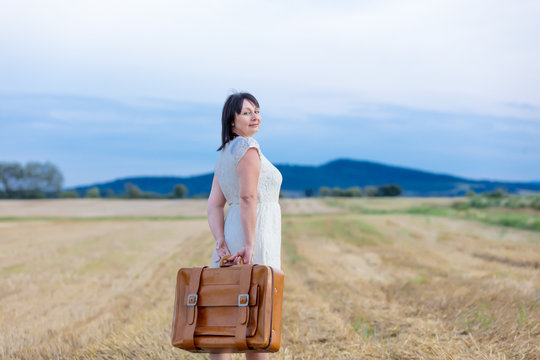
(92, 279)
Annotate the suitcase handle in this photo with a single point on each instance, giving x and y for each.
(230, 263)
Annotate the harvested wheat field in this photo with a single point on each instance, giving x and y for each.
(94, 279)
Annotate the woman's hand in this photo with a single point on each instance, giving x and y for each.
(222, 249)
(245, 253)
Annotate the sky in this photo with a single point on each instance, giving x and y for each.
(109, 89)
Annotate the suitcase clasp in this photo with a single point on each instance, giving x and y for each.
(243, 300)
(192, 299)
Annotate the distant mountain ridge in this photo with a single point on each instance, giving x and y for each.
(342, 173)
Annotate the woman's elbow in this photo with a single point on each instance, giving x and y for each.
(212, 208)
(248, 199)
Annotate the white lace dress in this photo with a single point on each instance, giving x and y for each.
(267, 250)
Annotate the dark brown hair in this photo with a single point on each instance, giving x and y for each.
(233, 105)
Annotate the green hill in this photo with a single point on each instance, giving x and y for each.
(341, 173)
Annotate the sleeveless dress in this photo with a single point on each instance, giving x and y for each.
(267, 248)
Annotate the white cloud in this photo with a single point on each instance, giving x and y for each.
(303, 56)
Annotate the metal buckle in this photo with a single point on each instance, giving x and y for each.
(192, 299)
(243, 300)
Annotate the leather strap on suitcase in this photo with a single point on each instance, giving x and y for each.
(191, 315)
(243, 301)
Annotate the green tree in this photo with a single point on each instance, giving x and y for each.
(180, 191)
(133, 191)
(325, 191)
(371, 191)
(309, 192)
(11, 176)
(69, 194)
(43, 177)
(108, 193)
(389, 190)
(92, 192)
(354, 191)
(497, 194)
(30, 181)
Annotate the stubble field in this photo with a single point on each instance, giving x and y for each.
(94, 279)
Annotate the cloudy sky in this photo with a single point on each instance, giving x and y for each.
(107, 89)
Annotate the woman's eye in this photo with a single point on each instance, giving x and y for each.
(257, 111)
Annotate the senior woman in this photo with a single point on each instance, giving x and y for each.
(246, 181)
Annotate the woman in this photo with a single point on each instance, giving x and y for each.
(249, 184)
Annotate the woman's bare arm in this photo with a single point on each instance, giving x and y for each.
(249, 168)
(215, 212)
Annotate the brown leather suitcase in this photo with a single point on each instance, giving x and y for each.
(228, 309)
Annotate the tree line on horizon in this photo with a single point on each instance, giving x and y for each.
(34, 180)
(356, 191)
(132, 191)
(37, 180)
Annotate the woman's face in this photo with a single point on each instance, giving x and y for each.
(248, 121)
